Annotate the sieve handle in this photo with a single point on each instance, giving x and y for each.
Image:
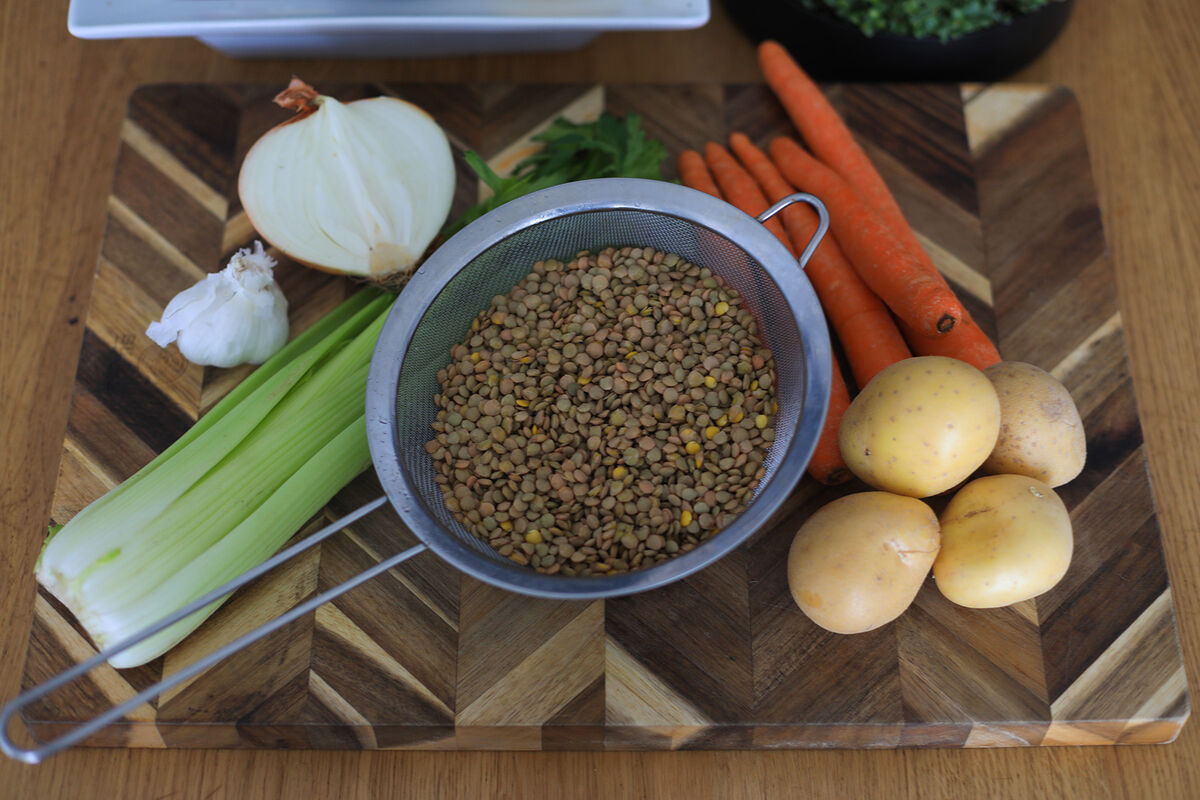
(77, 735)
(822, 224)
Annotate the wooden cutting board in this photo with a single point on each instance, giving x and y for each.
(996, 181)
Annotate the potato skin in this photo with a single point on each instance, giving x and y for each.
(1005, 538)
(921, 426)
(1041, 434)
(858, 562)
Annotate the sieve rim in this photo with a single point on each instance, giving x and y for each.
(602, 194)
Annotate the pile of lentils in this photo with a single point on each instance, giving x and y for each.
(606, 414)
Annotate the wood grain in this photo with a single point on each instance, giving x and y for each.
(1140, 115)
(721, 659)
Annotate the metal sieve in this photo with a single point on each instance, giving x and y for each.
(488, 258)
(460, 280)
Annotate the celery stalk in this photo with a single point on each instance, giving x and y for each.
(317, 332)
(139, 500)
(254, 540)
(228, 493)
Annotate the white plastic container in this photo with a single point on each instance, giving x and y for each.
(379, 28)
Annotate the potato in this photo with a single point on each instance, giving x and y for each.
(1041, 434)
(921, 426)
(858, 562)
(1005, 538)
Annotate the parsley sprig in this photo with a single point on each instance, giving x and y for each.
(610, 147)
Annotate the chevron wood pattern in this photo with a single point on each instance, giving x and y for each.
(996, 182)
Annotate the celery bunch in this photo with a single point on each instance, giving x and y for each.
(225, 496)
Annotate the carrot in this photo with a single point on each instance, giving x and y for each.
(827, 464)
(862, 321)
(694, 174)
(921, 299)
(740, 189)
(966, 343)
(826, 133)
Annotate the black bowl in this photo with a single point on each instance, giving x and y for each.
(831, 49)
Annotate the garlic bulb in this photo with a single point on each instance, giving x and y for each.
(235, 316)
(359, 188)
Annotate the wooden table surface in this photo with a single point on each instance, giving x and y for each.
(1133, 64)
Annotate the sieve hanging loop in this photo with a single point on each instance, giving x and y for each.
(822, 223)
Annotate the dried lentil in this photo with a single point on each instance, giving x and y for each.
(567, 431)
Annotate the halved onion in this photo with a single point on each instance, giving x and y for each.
(359, 188)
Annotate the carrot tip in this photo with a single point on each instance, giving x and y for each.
(946, 323)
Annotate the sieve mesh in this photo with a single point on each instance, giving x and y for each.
(500, 267)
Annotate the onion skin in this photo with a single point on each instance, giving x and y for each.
(299, 97)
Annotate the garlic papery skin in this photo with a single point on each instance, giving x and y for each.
(358, 188)
(235, 316)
